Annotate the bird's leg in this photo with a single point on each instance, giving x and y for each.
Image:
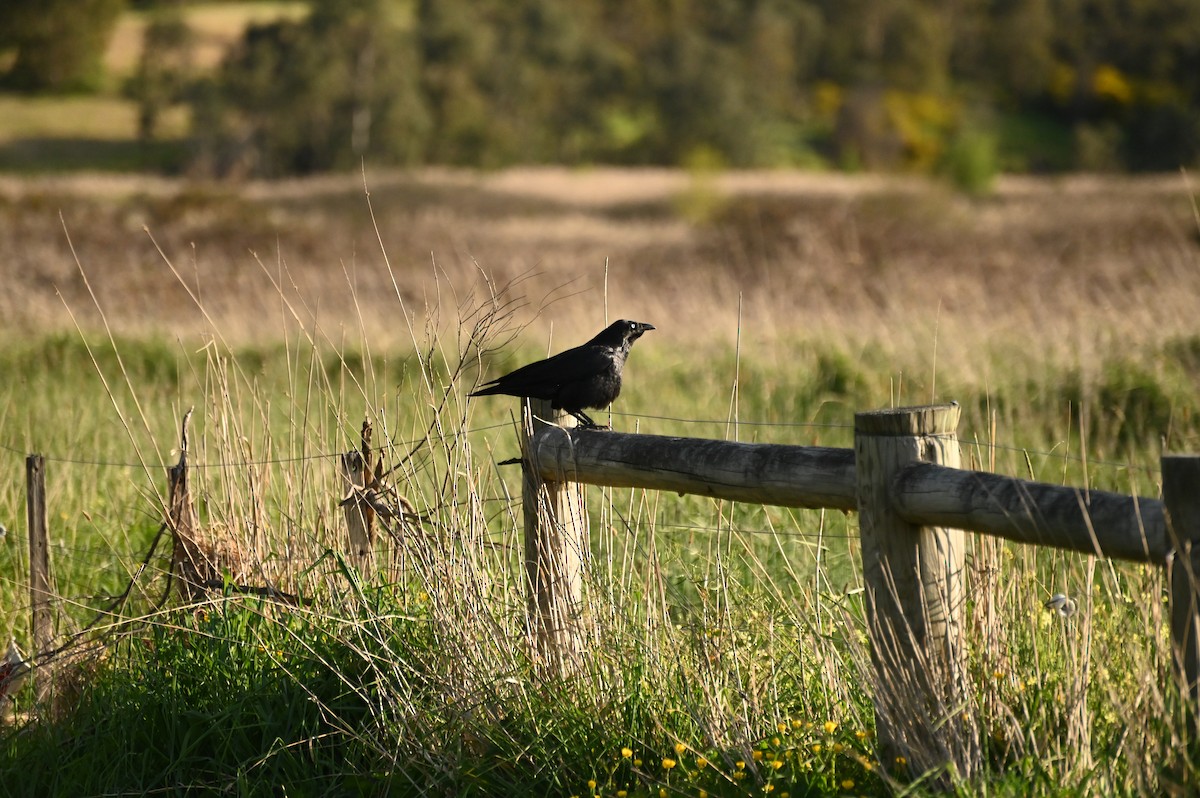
(585, 421)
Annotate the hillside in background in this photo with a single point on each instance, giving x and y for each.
(962, 88)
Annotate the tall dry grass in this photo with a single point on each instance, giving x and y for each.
(733, 632)
(1070, 267)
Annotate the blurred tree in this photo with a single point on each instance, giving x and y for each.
(454, 42)
(738, 82)
(165, 69)
(552, 74)
(1019, 48)
(915, 47)
(59, 44)
(317, 94)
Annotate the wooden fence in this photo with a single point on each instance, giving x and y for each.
(914, 503)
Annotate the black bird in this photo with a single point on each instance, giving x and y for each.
(583, 377)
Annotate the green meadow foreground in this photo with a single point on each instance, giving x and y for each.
(725, 643)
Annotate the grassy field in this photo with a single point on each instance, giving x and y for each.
(725, 642)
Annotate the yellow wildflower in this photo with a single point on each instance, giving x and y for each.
(680, 748)
(830, 727)
(848, 784)
(756, 756)
(701, 761)
(668, 763)
(626, 752)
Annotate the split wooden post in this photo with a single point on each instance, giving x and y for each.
(556, 538)
(40, 593)
(914, 596)
(1181, 495)
(356, 471)
(188, 563)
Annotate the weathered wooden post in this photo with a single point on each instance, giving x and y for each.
(1181, 495)
(914, 597)
(188, 562)
(40, 592)
(356, 471)
(556, 535)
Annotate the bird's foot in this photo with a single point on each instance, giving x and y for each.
(584, 420)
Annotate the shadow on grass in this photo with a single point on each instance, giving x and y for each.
(41, 155)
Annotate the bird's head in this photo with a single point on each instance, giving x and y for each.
(622, 333)
(632, 330)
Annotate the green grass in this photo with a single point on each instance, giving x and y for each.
(717, 632)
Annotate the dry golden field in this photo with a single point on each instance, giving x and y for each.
(1064, 267)
(1061, 312)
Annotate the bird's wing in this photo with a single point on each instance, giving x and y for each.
(542, 378)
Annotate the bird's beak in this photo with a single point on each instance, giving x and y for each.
(646, 327)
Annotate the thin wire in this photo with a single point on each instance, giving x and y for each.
(229, 463)
(814, 424)
(964, 441)
(770, 532)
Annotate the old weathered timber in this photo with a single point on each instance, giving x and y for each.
(356, 469)
(40, 592)
(788, 476)
(1087, 521)
(189, 564)
(913, 575)
(556, 538)
(1181, 494)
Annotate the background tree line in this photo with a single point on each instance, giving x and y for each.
(960, 85)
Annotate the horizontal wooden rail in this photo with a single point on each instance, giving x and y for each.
(762, 473)
(1038, 513)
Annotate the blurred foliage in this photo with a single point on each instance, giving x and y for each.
(165, 69)
(56, 45)
(857, 83)
(314, 95)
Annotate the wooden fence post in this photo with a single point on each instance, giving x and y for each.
(356, 468)
(1181, 495)
(556, 538)
(188, 562)
(914, 597)
(40, 593)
